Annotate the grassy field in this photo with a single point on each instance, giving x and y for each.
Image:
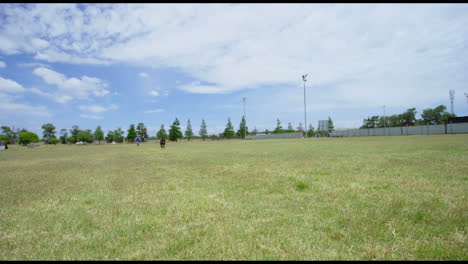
(293, 199)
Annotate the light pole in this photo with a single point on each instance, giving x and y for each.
(305, 115)
(245, 124)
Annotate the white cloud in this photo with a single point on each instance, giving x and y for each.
(91, 116)
(153, 93)
(70, 88)
(10, 86)
(97, 108)
(2, 64)
(154, 111)
(388, 53)
(143, 74)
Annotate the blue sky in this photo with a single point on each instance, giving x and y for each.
(119, 64)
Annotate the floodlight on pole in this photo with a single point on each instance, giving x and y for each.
(245, 124)
(305, 115)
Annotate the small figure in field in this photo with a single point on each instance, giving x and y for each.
(138, 141)
(162, 142)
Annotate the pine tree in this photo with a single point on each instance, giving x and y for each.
(331, 128)
(254, 132)
(174, 131)
(142, 131)
(242, 128)
(203, 133)
(290, 128)
(162, 132)
(189, 132)
(131, 134)
(279, 128)
(229, 130)
(98, 134)
(74, 133)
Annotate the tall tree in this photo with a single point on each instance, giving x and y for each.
(203, 133)
(84, 136)
(98, 134)
(188, 131)
(110, 136)
(174, 131)
(279, 128)
(331, 127)
(9, 133)
(63, 136)
(119, 135)
(142, 131)
(162, 132)
(74, 133)
(131, 133)
(49, 131)
(242, 128)
(290, 128)
(229, 130)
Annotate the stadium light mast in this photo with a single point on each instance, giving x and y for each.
(452, 96)
(245, 125)
(305, 112)
(466, 97)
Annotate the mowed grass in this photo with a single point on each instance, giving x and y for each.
(354, 198)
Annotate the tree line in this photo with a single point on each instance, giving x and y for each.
(429, 116)
(75, 134)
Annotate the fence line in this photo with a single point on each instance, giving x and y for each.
(458, 128)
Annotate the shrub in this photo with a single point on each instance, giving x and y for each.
(54, 141)
(28, 137)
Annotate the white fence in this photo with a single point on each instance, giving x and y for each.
(457, 128)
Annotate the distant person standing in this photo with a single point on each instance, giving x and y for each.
(138, 141)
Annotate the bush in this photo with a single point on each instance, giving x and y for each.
(54, 141)
(28, 137)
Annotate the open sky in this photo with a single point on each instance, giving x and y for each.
(119, 64)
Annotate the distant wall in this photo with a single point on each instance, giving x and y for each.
(271, 136)
(458, 128)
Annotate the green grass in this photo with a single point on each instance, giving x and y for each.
(393, 198)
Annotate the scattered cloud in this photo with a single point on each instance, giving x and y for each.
(70, 88)
(91, 116)
(153, 93)
(2, 64)
(97, 108)
(154, 111)
(143, 74)
(10, 86)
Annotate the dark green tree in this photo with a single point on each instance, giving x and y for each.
(9, 133)
(49, 131)
(119, 135)
(331, 127)
(229, 130)
(162, 132)
(254, 132)
(435, 116)
(174, 131)
(74, 133)
(242, 129)
(141, 130)
(311, 131)
(279, 128)
(203, 133)
(131, 133)
(188, 131)
(98, 134)
(290, 128)
(63, 136)
(110, 136)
